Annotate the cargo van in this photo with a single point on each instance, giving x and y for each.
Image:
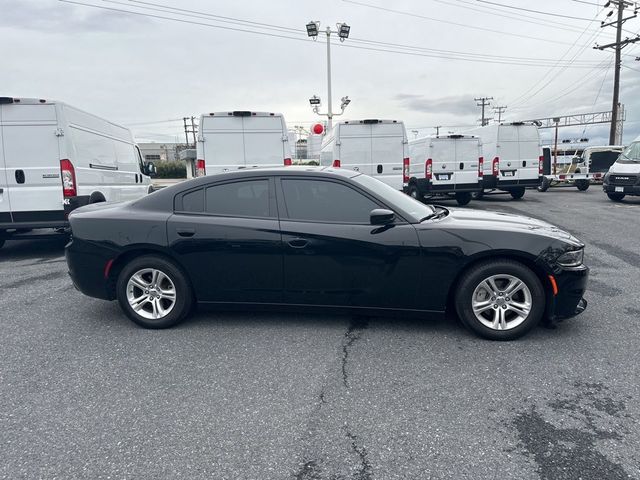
(512, 157)
(230, 141)
(54, 158)
(448, 165)
(377, 148)
(623, 177)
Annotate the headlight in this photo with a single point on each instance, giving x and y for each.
(571, 259)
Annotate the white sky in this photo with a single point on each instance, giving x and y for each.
(133, 69)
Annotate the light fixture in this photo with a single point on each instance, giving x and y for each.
(314, 100)
(345, 101)
(343, 31)
(312, 29)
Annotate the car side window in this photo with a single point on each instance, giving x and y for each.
(193, 202)
(325, 201)
(242, 199)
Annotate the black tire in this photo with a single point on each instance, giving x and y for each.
(414, 192)
(96, 197)
(544, 184)
(582, 185)
(472, 280)
(477, 195)
(463, 198)
(616, 197)
(517, 193)
(183, 301)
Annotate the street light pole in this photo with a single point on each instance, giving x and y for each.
(329, 110)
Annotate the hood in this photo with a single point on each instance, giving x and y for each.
(622, 168)
(498, 221)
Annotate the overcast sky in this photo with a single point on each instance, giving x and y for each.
(134, 69)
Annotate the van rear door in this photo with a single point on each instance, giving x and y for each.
(354, 147)
(223, 145)
(264, 141)
(30, 140)
(388, 152)
(529, 152)
(508, 153)
(5, 206)
(443, 156)
(467, 159)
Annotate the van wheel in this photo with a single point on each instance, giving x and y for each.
(517, 193)
(616, 197)
(544, 185)
(477, 195)
(154, 292)
(414, 192)
(96, 197)
(582, 185)
(500, 300)
(463, 198)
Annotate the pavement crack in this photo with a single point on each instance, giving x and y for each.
(353, 334)
(364, 471)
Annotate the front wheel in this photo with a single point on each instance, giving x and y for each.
(616, 197)
(517, 193)
(500, 300)
(463, 198)
(582, 185)
(477, 195)
(154, 292)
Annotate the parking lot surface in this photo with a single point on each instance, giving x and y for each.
(84, 393)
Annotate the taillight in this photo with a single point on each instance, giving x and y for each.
(480, 167)
(405, 170)
(428, 169)
(201, 171)
(68, 175)
(541, 165)
(336, 163)
(496, 166)
(287, 162)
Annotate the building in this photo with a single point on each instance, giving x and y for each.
(160, 152)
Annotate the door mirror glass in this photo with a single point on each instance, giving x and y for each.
(149, 169)
(381, 216)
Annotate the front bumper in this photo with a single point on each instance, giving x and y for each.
(572, 284)
(529, 182)
(628, 189)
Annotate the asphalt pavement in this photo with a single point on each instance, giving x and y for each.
(84, 393)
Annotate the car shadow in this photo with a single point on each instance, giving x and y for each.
(45, 249)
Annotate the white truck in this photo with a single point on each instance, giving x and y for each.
(512, 157)
(445, 165)
(377, 148)
(54, 158)
(230, 141)
(623, 177)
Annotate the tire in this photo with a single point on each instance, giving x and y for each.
(501, 323)
(582, 185)
(517, 193)
(544, 185)
(477, 195)
(463, 198)
(96, 197)
(414, 192)
(143, 269)
(616, 197)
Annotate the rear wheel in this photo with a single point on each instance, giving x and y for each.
(616, 197)
(582, 185)
(414, 192)
(477, 195)
(544, 185)
(154, 292)
(517, 193)
(500, 299)
(463, 198)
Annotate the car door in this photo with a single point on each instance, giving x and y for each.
(226, 235)
(333, 256)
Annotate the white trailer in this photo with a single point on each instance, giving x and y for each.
(512, 157)
(54, 158)
(377, 148)
(447, 165)
(235, 140)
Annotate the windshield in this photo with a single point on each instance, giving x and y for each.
(631, 154)
(407, 204)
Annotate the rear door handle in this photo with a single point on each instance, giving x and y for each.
(298, 243)
(186, 232)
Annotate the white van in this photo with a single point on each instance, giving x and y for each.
(230, 141)
(377, 148)
(445, 165)
(512, 157)
(54, 158)
(623, 177)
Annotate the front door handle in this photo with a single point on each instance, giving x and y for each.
(298, 243)
(186, 232)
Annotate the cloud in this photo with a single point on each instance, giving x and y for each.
(458, 105)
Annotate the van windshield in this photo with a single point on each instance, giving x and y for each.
(631, 154)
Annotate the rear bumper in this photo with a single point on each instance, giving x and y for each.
(529, 182)
(628, 189)
(572, 284)
(42, 218)
(87, 266)
(425, 187)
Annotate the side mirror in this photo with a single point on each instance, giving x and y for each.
(381, 216)
(150, 169)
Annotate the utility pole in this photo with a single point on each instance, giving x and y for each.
(438, 127)
(618, 45)
(484, 102)
(186, 131)
(193, 130)
(500, 111)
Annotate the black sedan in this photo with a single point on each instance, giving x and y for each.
(313, 238)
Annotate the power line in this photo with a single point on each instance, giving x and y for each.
(572, 17)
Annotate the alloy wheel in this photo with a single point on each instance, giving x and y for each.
(501, 302)
(151, 293)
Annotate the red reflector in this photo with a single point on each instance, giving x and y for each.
(428, 169)
(107, 268)
(554, 285)
(597, 175)
(541, 165)
(496, 166)
(405, 170)
(562, 177)
(68, 174)
(201, 170)
(336, 163)
(480, 167)
(287, 162)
